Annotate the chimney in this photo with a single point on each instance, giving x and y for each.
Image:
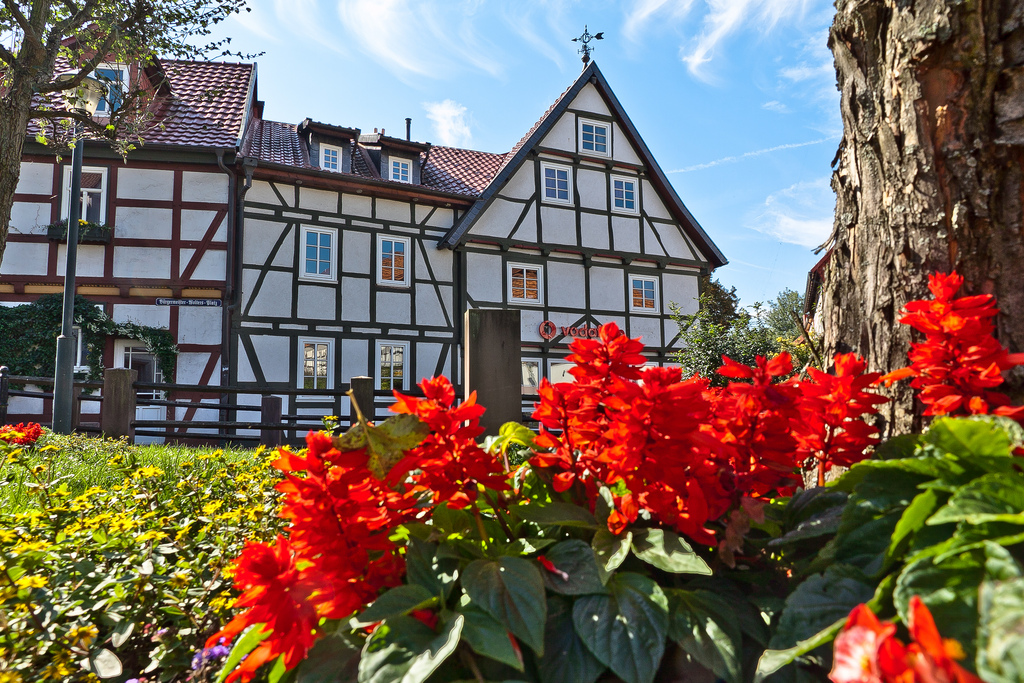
(408, 128)
(375, 129)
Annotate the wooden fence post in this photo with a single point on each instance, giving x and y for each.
(493, 348)
(270, 413)
(362, 395)
(118, 403)
(4, 388)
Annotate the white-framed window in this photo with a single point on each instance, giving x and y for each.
(133, 354)
(392, 365)
(558, 372)
(624, 199)
(316, 364)
(400, 170)
(526, 283)
(81, 350)
(319, 255)
(531, 375)
(330, 158)
(115, 78)
(595, 138)
(393, 261)
(643, 297)
(94, 194)
(557, 183)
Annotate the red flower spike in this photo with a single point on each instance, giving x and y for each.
(550, 566)
(21, 434)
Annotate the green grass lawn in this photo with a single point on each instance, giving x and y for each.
(80, 462)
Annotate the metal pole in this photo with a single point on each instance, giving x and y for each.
(64, 377)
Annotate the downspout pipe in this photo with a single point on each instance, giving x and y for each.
(225, 323)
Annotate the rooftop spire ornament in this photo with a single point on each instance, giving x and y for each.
(585, 49)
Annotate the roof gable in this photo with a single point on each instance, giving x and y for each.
(592, 91)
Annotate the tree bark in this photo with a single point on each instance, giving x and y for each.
(930, 170)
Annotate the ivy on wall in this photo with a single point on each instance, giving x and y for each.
(28, 335)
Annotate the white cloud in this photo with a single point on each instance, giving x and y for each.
(800, 214)
(304, 18)
(450, 125)
(775, 106)
(644, 12)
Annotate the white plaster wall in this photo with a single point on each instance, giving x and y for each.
(285, 256)
(621, 149)
(653, 205)
(145, 183)
(388, 210)
(199, 325)
(671, 330)
(204, 187)
(607, 289)
(426, 360)
(189, 370)
(356, 205)
(29, 218)
(441, 262)
(626, 234)
(355, 299)
(428, 306)
(498, 219)
(275, 296)
(90, 260)
(317, 303)
(142, 262)
(562, 135)
(262, 193)
(318, 200)
(523, 183)
(589, 99)
(35, 178)
(274, 357)
(143, 314)
(212, 266)
(245, 373)
(681, 289)
(651, 244)
(194, 225)
(258, 238)
(619, 320)
(566, 285)
(356, 252)
(446, 300)
(527, 231)
(394, 307)
(25, 259)
(143, 223)
(529, 321)
(558, 226)
(23, 405)
(649, 328)
(592, 188)
(441, 218)
(594, 231)
(675, 244)
(353, 359)
(484, 277)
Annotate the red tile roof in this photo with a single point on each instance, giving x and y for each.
(277, 143)
(463, 171)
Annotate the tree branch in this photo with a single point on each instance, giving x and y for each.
(22, 20)
(59, 114)
(87, 68)
(6, 56)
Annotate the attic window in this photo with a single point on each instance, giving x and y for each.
(330, 158)
(594, 137)
(114, 77)
(401, 171)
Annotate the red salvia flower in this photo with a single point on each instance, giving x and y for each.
(21, 434)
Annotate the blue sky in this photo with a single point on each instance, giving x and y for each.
(735, 98)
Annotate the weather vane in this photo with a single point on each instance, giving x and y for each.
(585, 50)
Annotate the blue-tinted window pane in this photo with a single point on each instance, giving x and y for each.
(325, 239)
(310, 265)
(311, 252)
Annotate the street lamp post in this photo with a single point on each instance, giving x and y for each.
(84, 99)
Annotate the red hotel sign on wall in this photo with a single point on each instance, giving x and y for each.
(548, 330)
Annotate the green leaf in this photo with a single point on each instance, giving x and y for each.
(898, 447)
(949, 588)
(817, 603)
(773, 660)
(667, 551)
(104, 663)
(566, 659)
(626, 628)
(705, 626)
(971, 438)
(385, 443)
(424, 566)
(397, 601)
(404, 650)
(332, 659)
(511, 590)
(451, 521)
(278, 672)
(610, 550)
(913, 518)
(991, 498)
(575, 558)
(1000, 657)
(487, 636)
(513, 432)
(551, 514)
(122, 633)
(824, 523)
(242, 647)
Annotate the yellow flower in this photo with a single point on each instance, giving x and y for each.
(31, 581)
(150, 535)
(39, 469)
(10, 677)
(148, 472)
(212, 507)
(83, 636)
(178, 580)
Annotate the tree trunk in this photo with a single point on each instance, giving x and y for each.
(930, 169)
(14, 111)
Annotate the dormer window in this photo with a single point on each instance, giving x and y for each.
(330, 158)
(114, 77)
(400, 171)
